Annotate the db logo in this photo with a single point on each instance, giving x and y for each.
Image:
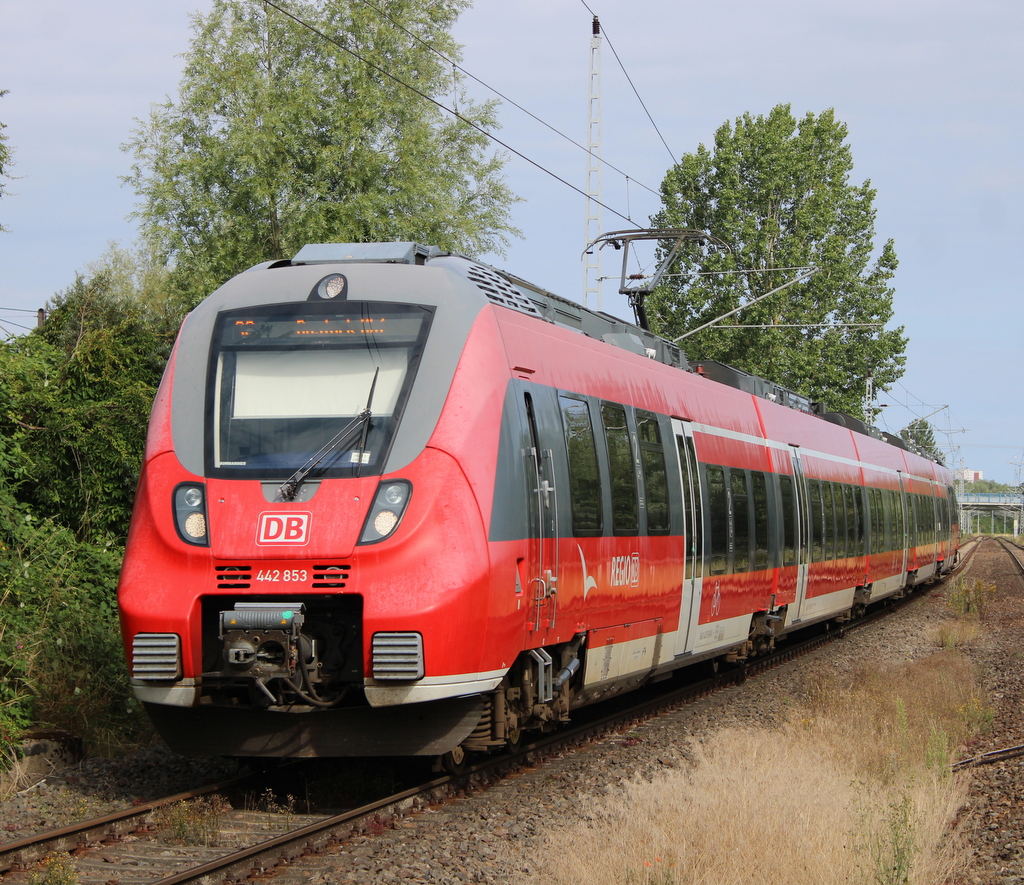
(283, 528)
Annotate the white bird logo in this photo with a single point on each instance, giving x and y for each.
(588, 581)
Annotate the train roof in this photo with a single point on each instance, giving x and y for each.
(517, 294)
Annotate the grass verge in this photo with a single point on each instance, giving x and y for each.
(854, 788)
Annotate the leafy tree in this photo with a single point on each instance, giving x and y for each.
(279, 138)
(777, 191)
(74, 399)
(5, 155)
(989, 487)
(921, 433)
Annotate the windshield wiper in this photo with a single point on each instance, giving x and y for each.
(290, 487)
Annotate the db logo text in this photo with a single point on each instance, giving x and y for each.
(283, 528)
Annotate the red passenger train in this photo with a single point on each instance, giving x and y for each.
(396, 502)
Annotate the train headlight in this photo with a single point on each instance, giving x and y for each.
(330, 287)
(386, 512)
(395, 493)
(190, 514)
(384, 522)
(195, 525)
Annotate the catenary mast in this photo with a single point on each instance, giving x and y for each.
(592, 257)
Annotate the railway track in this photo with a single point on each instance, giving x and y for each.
(131, 846)
(1016, 552)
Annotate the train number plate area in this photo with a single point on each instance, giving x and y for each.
(282, 575)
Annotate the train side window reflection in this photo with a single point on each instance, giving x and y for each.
(718, 521)
(759, 490)
(877, 541)
(830, 521)
(625, 508)
(887, 507)
(691, 497)
(584, 479)
(842, 526)
(652, 457)
(741, 520)
(852, 533)
(816, 520)
(786, 492)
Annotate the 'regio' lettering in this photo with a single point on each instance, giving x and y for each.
(283, 528)
(625, 571)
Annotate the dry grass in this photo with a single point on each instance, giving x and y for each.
(970, 596)
(13, 774)
(855, 788)
(195, 821)
(952, 633)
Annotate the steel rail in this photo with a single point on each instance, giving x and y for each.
(1005, 753)
(1010, 547)
(13, 854)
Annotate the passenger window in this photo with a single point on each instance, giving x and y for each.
(788, 520)
(830, 521)
(691, 493)
(584, 478)
(817, 536)
(652, 457)
(877, 522)
(887, 507)
(740, 520)
(851, 523)
(625, 510)
(858, 524)
(759, 490)
(718, 521)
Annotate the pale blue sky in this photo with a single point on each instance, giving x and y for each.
(931, 92)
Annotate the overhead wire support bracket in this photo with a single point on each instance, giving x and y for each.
(807, 274)
(639, 290)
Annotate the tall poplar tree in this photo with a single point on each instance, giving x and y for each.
(281, 136)
(778, 192)
(5, 156)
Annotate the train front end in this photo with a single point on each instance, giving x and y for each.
(281, 593)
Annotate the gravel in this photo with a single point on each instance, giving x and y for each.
(994, 826)
(98, 786)
(495, 835)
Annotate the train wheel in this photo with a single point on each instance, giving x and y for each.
(454, 761)
(514, 739)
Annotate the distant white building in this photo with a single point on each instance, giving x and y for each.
(968, 475)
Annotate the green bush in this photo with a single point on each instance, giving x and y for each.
(61, 661)
(74, 400)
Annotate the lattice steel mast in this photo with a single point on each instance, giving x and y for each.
(592, 256)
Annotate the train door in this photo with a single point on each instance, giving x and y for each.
(800, 535)
(901, 536)
(542, 560)
(689, 611)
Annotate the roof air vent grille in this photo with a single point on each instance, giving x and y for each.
(500, 290)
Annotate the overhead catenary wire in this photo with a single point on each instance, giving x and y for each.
(19, 325)
(459, 116)
(457, 67)
(631, 84)
(718, 273)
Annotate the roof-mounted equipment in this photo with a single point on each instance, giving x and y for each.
(637, 290)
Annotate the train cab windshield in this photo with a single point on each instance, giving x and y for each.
(285, 379)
